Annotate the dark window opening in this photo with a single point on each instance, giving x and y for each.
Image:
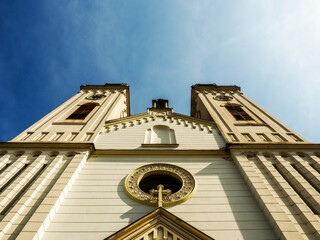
(152, 182)
(82, 111)
(160, 103)
(237, 112)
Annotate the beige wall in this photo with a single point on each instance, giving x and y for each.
(33, 183)
(97, 205)
(131, 134)
(286, 184)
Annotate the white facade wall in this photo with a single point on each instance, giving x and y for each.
(188, 135)
(33, 183)
(287, 186)
(97, 205)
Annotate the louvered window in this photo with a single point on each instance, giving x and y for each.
(82, 111)
(237, 112)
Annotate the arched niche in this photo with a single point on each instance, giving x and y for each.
(160, 134)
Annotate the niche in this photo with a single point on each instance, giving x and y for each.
(160, 134)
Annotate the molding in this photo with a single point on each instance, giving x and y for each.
(215, 87)
(271, 146)
(106, 86)
(173, 115)
(215, 153)
(48, 145)
(250, 123)
(153, 145)
(71, 122)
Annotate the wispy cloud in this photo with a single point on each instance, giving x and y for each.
(269, 48)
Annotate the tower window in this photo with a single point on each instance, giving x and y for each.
(237, 112)
(82, 111)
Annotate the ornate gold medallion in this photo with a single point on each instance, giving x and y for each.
(160, 184)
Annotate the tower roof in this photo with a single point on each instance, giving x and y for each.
(215, 87)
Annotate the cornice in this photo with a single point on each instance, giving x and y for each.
(47, 145)
(272, 146)
(150, 152)
(105, 87)
(126, 119)
(210, 87)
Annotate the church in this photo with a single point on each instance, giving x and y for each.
(89, 170)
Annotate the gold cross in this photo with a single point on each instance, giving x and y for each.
(160, 191)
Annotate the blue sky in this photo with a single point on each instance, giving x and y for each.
(271, 49)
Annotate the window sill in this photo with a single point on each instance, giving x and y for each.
(152, 145)
(69, 123)
(248, 123)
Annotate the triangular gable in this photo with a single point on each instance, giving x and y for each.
(145, 117)
(171, 130)
(159, 224)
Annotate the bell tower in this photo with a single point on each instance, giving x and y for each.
(81, 117)
(238, 118)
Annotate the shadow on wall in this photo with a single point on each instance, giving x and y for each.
(246, 212)
(137, 210)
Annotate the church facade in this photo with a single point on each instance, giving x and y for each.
(91, 170)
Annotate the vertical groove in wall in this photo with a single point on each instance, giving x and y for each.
(276, 121)
(30, 199)
(315, 166)
(218, 114)
(313, 208)
(110, 105)
(4, 163)
(39, 200)
(14, 177)
(55, 112)
(5, 166)
(299, 212)
(276, 187)
(22, 191)
(306, 177)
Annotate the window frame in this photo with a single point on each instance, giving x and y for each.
(238, 113)
(84, 109)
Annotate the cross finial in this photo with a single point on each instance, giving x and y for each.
(160, 190)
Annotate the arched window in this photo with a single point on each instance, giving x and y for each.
(160, 134)
(82, 111)
(237, 112)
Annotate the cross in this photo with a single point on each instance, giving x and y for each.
(160, 191)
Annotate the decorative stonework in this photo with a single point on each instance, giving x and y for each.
(160, 112)
(96, 97)
(133, 179)
(223, 98)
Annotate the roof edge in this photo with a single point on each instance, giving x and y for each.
(106, 86)
(214, 86)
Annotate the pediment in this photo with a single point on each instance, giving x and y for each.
(159, 224)
(188, 133)
(165, 115)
